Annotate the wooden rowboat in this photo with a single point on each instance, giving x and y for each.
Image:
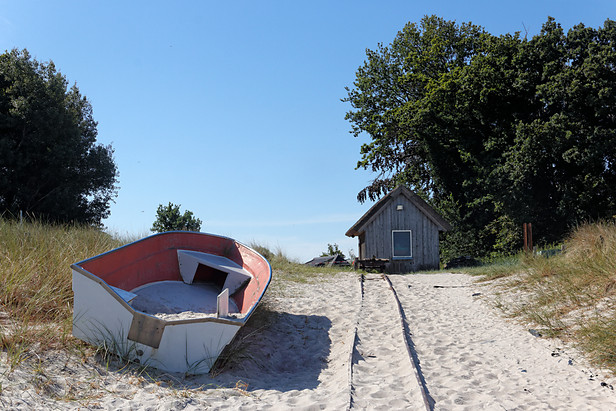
(172, 300)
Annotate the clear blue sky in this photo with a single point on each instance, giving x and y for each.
(232, 108)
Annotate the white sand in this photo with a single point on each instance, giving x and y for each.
(302, 342)
(383, 376)
(472, 358)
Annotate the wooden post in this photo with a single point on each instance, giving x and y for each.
(528, 237)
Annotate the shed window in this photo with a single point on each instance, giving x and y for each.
(402, 244)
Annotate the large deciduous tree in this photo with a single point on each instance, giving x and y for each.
(50, 164)
(492, 130)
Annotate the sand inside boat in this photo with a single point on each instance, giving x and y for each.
(176, 300)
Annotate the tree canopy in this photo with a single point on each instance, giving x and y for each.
(169, 218)
(493, 131)
(51, 166)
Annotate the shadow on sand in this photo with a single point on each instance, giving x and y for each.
(277, 351)
(273, 351)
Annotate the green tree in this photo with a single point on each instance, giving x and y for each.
(169, 218)
(51, 166)
(560, 165)
(492, 131)
(332, 249)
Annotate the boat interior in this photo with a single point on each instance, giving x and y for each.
(229, 277)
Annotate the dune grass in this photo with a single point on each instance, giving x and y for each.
(35, 282)
(571, 295)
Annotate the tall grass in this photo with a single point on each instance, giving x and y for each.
(582, 277)
(35, 280)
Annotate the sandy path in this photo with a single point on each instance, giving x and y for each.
(301, 354)
(473, 359)
(383, 377)
(295, 355)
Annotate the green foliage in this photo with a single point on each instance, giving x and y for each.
(332, 249)
(51, 166)
(492, 131)
(169, 218)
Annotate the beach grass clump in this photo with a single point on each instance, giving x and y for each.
(598, 338)
(35, 279)
(581, 278)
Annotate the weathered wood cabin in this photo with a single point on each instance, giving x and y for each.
(402, 228)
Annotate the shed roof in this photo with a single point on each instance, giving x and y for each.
(417, 201)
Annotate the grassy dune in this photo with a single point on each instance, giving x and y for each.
(571, 295)
(35, 281)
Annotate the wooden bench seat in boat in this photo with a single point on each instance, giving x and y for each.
(236, 276)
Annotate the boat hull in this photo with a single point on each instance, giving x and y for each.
(103, 314)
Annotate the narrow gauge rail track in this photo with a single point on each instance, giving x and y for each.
(380, 337)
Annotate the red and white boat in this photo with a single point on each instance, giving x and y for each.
(172, 300)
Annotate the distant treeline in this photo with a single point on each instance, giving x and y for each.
(493, 131)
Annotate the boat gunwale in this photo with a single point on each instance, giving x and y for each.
(162, 234)
(237, 322)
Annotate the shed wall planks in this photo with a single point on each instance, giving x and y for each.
(378, 241)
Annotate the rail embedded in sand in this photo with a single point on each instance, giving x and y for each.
(172, 300)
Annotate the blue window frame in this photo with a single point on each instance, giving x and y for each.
(402, 244)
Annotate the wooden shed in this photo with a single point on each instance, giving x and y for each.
(402, 228)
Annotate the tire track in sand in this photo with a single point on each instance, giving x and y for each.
(380, 360)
